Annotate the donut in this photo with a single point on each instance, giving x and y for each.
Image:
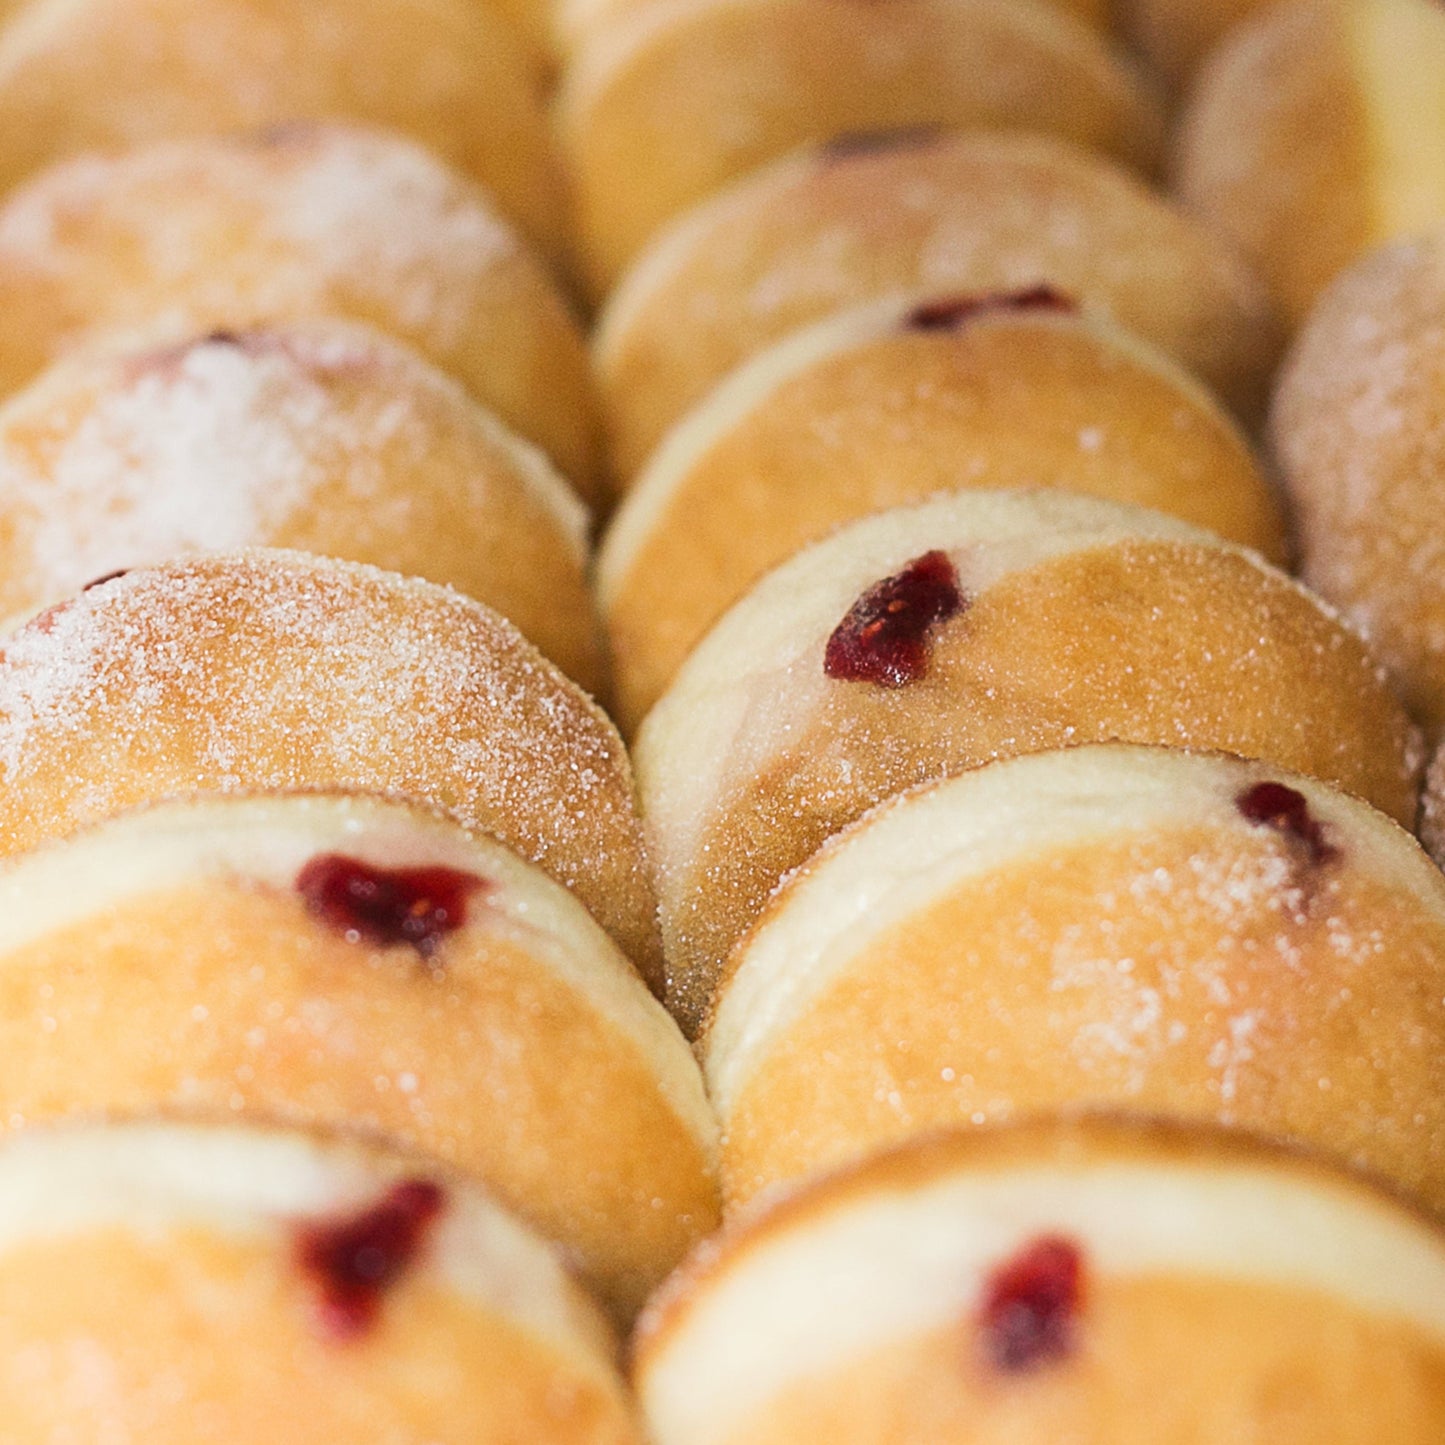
(172, 1284)
(106, 75)
(1310, 136)
(1359, 433)
(889, 403)
(1085, 1281)
(414, 982)
(196, 235)
(576, 23)
(978, 626)
(932, 214)
(268, 669)
(1108, 926)
(1176, 35)
(324, 436)
(708, 90)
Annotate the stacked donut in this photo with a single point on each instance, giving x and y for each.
(1033, 852)
(338, 1102)
(1013, 925)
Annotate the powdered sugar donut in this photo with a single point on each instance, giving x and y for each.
(710, 89)
(415, 983)
(890, 403)
(321, 435)
(1359, 431)
(178, 1284)
(1108, 926)
(977, 626)
(1088, 1281)
(190, 236)
(933, 215)
(281, 670)
(1312, 136)
(82, 75)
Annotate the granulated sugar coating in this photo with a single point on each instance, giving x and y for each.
(320, 435)
(931, 215)
(309, 220)
(279, 670)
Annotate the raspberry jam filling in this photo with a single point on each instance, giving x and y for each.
(353, 1262)
(415, 906)
(1031, 1304)
(1273, 805)
(884, 637)
(956, 311)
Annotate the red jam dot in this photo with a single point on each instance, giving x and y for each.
(353, 1262)
(1031, 1303)
(958, 311)
(1273, 805)
(416, 906)
(884, 637)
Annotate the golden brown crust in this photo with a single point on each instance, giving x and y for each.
(83, 75)
(1176, 35)
(321, 436)
(1359, 432)
(275, 670)
(191, 236)
(712, 90)
(1273, 148)
(1127, 641)
(1204, 972)
(1075, 1140)
(811, 235)
(1006, 400)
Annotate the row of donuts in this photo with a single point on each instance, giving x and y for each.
(891, 905)
(306, 859)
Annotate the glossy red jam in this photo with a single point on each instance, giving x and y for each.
(956, 311)
(353, 1262)
(884, 637)
(416, 906)
(1273, 805)
(1031, 1305)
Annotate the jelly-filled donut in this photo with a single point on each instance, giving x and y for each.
(1359, 432)
(708, 90)
(83, 75)
(280, 670)
(1110, 926)
(1313, 135)
(324, 436)
(977, 626)
(891, 403)
(205, 234)
(352, 963)
(929, 214)
(1089, 1281)
(172, 1284)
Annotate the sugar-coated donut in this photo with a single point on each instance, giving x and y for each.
(325, 436)
(1089, 1281)
(1312, 136)
(280, 670)
(174, 1284)
(890, 403)
(576, 23)
(1359, 432)
(1176, 35)
(679, 99)
(929, 214)
(82, 75)
(1108, 926)
(302, 221)
(412, 982)
(981, 625)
